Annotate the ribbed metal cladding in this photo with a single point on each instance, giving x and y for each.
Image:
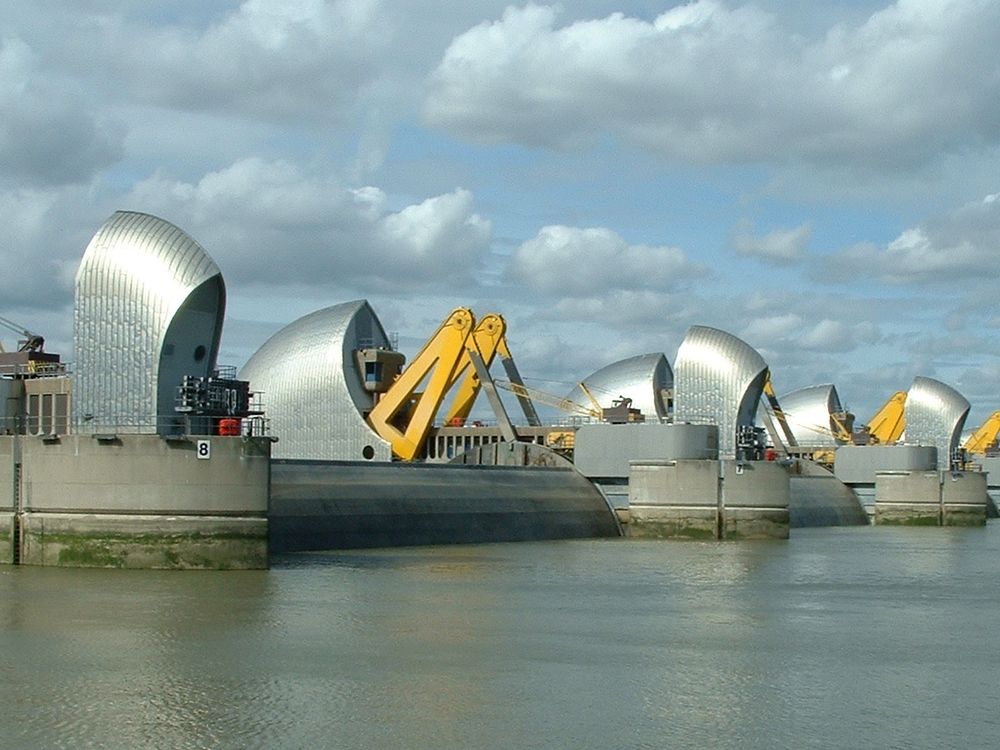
(718, 379)
(644, 379)
(149, 308)
(808, 414)
(935, 415)
(312, 391)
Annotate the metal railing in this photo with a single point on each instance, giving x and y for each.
(32, 369)
(256, 425)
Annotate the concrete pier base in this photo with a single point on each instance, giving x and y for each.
(674, 499)
(7, 529)
(963, 515)
(907, 514)
(755, 498)
(137, 501)
(908, 498)
(673, 522)
(755, 523)
(931, 498)
(9, 460)
(964, 499)
(686, 499)
(138, 541)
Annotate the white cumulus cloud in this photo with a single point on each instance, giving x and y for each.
(575, 262)
(289, 61)
(710, 83)
(778, 246)
(963, 244)
(268, 222)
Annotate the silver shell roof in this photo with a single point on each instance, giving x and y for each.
(808, 414)
(935, 415)
(644, 379)
(718, 379)
(149, 308)
(313, 394)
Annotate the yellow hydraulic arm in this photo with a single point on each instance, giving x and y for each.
(985, 436)
(779, 414)
(888, 424)
(840, 422)
(590, 396)
(487, 339)
(403, 416)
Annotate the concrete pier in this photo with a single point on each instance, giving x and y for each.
(931, 498)
(8, 526)
(755, 497)
(138, 500)
(908, 498)
(674, 500)
(990, 465)
(857, 465)
(964, 498)
(698, 499)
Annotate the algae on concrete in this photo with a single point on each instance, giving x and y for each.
(161, 543)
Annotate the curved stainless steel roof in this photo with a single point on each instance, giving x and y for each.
(935, 415)
(313, 393)
(149, 309)
(718, 379)
(645, 379)
(808, 414)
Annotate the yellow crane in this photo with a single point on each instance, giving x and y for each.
(459, 352)
(984, 438)
(489, 340)
(889, 422)
(403, 415)
(779, 415)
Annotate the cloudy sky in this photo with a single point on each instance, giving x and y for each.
(821, 181)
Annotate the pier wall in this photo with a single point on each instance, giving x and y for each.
(702, 499)
(138, 501)
(755, 497)
(990, 466)
(674, 500)
(930, 498)
(605, 450)
(911, 498)
(8, 463)
(964, 498)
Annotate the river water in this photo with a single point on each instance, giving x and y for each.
(838, 638)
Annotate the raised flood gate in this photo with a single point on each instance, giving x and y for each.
(321, 505)
(135, 501)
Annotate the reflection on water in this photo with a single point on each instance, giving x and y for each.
(838, 638)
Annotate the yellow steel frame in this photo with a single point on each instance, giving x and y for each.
(403, 415)
(983, 437)
(488, 339)
(888, 424)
